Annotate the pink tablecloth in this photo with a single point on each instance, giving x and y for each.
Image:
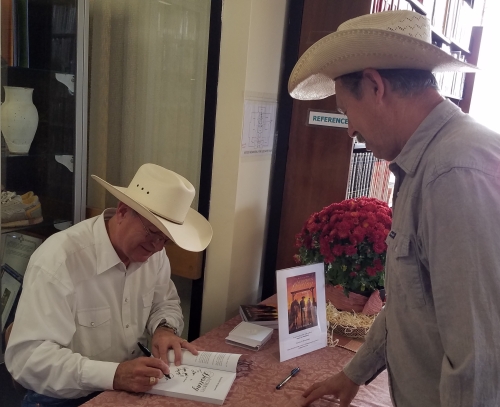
(256, 380)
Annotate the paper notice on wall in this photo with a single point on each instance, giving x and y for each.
(258, 128)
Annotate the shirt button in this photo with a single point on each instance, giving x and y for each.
(133, 352)
(126, 299)
(126, 326)
(92, 323)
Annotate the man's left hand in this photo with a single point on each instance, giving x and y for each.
(164, 339)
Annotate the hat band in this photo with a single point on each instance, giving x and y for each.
(163, 216)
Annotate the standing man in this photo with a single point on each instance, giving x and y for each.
(93, 291)
(438, 333)
(302, 312)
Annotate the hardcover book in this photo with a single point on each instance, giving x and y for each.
(260, 314)
(206, 377)
(249, 336)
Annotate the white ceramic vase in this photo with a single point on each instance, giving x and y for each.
(19, 119)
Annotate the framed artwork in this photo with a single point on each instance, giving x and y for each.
(10, 284)
(301, 310)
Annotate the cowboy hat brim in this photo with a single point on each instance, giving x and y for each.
(193, 235)
(343, 52)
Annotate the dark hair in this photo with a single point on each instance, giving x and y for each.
(406, 82)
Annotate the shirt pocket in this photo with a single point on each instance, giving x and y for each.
(93, 331)
(405, 270)
(147, 300)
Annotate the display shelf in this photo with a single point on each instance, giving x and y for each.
(42, 229)
(52, 59)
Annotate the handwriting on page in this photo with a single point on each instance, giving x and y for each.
(199, 379)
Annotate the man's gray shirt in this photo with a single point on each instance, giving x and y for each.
(439, 333)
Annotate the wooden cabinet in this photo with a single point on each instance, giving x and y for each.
(311, 166)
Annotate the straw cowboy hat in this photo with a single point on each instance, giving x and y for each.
(386, 40)
(164, 198)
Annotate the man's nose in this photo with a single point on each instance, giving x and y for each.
(350, 130)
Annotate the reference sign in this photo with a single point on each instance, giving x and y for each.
(328, 119)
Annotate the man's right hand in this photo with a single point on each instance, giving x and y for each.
(338, 385)
(135, 375)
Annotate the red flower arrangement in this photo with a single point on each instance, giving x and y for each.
(349, 237)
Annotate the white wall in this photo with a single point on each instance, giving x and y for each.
(251, 47)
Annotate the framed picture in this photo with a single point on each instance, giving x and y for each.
(18, 248)
(10, 284)
(301, 310)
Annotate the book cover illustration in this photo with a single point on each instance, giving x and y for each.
(301, 310)
(302, 305)
(260, 314)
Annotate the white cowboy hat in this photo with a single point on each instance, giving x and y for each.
(387, 40)
(164, 198)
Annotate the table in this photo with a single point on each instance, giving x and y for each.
(256, 380)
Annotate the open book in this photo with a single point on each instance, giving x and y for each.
(205, 377)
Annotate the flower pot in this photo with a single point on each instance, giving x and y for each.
(335, 294)
(368, 305)
(19, 119)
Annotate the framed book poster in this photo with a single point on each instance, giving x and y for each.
(301, 310)
(10, 283)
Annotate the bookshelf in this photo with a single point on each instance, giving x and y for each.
(314, 166)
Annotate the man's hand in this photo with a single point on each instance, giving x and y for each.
(338, 385)
(137, 375)
(164, 339)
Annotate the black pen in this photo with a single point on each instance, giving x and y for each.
(148, 353)
(292, 373)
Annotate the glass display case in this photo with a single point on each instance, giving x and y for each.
(44, 86)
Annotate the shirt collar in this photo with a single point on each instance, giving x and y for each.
(105, 252)
(411, 154)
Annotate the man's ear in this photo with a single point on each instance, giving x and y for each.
(121, 211)
(374, 83)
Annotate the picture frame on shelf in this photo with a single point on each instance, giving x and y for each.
(10, 283)
(18, 248)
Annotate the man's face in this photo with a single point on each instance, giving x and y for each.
(138, 239)
(365, 121)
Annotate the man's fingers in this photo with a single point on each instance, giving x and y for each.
(177, 353)
(163, 355)
(190, 347)
(314, 394)
(310, 389)
(155, 365)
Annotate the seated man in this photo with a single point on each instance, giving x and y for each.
(91, 291)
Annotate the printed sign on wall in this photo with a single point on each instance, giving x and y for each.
(328, 119)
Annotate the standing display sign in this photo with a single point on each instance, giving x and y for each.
(301, 310)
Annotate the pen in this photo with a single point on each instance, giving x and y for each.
(148, 353)
(292, 373)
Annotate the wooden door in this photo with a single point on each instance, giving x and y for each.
(318, 158)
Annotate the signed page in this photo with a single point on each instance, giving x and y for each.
(205, 377)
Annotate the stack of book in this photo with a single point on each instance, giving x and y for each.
(260, 314)
(249, 336)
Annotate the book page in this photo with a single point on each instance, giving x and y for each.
(196, 383)
(212, 360)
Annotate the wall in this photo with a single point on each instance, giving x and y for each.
(251, 46)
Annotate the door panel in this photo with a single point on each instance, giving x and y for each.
(318, 158)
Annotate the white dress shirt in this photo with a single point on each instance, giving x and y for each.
(82, 311)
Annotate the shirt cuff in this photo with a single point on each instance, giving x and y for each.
(98, 375)
(364, 367)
